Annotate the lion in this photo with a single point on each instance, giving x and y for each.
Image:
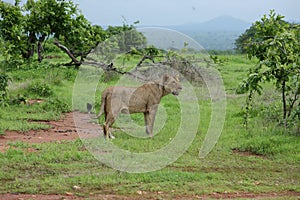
(143, 99)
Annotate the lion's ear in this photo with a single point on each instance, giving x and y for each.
(166, 77)
(176, 77)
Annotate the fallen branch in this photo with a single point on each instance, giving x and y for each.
(111, 67)
(70, 54)
(145, 58)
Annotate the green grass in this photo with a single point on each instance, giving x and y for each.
(272, 164)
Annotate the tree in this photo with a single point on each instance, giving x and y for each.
(24, 29)
(45, 18)
(120, 39)
(79, 39)
(127, 37)
(276, 45)
(62, 20)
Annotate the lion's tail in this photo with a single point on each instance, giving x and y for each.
(90, 107)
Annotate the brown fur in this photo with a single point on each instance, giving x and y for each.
(143, 99)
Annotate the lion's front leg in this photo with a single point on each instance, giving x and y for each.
(149, 119)
(147, 122)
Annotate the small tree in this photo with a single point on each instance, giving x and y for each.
(276, 44)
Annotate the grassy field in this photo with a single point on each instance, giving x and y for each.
(262, 159)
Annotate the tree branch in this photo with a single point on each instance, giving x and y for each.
(67, 51)
(145, 58)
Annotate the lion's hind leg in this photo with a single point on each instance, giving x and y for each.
(110, 119)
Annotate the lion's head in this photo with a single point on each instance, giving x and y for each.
(171, 84)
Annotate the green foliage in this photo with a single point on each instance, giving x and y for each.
(120, 40)
(56, 105)
(276, 46)
(63, 20)
(81, 37)
(127, 37)
(243, 40)
(217, 60)
(26, 28)
(41, 89)
(4, 79)
(47, 17)
(12, 38)
(269, 141)
(222, 52)
(149, 51)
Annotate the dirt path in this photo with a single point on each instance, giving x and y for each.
(64, 129)
(146, 196)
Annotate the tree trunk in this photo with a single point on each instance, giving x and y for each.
(40, 48)
(284, 102)
(31, 43)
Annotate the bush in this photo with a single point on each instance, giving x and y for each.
(56, 105)
(4, 79)
(40, 89)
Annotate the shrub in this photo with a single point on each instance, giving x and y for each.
(40, 89)
(4, 79)
(56, 105)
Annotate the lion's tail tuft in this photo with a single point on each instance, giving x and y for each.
(89, 107)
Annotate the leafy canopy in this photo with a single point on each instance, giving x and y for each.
(12, 40)
(25, 30)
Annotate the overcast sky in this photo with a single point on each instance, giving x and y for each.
(174, 12)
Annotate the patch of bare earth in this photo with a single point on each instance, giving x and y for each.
(151, 195)
(63, 129)
(247, 153)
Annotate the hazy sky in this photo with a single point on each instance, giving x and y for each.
(173, 12)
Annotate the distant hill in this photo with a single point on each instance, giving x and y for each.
(217, 34)
(222, 23)
(215, 40)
